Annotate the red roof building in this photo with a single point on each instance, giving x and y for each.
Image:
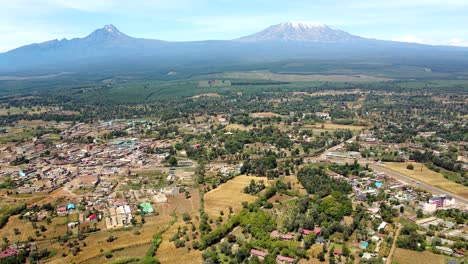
(92, 217)
(258, 253)
(8, 252)
(275, 234)
(317, 230)
(337, 252)
(283, 259)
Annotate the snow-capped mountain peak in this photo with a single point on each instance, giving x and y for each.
(111, 29)
(304, 24)
(108, 32)
(300, 31)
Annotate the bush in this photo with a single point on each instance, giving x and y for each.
(410, 167)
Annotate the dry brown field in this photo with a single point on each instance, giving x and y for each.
(423, 174)
(230, 194)
(405, 256)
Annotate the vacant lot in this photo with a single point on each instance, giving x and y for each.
(265, 75)
(404, 256)
(229, 194)
(423, 174)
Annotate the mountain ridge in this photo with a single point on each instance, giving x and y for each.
(108, 48)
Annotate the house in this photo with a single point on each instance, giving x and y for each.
(317, 230)
(367, 256)
(338, 252)
(283, 259)
(146, 208)
(445, 250)
(257, 253)
(321, 240)
(429, 207)
(275, 234)
(8, 252)
(382, 226)
(92, 217)
(73, 224)
(61, 210)
(442, 201)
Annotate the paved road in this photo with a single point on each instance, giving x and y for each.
(434, 190)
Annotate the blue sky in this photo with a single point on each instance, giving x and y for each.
(423, 21)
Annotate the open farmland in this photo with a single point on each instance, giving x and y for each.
(229, 194)
(423, 174)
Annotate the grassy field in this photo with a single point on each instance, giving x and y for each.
(423, 174)
(404, 256)
(229, 194)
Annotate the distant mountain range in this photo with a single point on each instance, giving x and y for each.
(108, 49)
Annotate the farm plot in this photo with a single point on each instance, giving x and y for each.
(230, 194)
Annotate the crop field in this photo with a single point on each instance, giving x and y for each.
(423, 174)
(404, 256)
(229, 194)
